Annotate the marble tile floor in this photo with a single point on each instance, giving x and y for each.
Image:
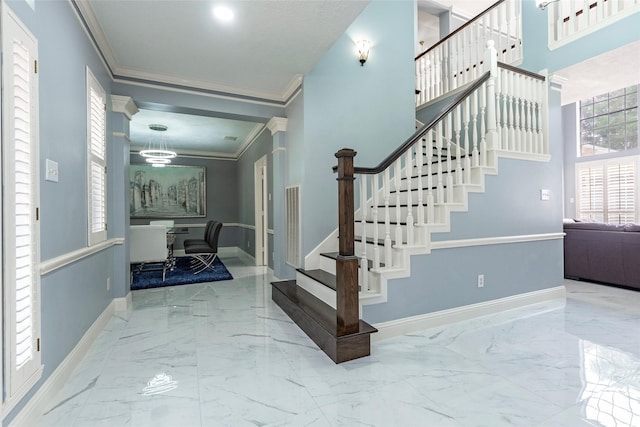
(223, 354)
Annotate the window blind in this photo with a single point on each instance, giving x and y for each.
(607, 191)
(96, 137)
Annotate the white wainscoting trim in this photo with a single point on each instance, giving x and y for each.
(523, 156)
(37, 404)
(484, 241)
(56, 263)
(407, 325)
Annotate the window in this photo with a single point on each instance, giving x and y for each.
(607, 190)
(609, 122)
(20, 201)
(97, 169)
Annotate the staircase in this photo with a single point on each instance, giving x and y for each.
(470, 121)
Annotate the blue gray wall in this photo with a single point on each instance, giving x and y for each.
(73, 296)
(222, 199)
(370, 109)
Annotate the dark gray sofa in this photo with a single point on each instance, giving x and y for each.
(605, 253)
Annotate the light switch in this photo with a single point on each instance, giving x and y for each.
(52, 171)
(545, 194)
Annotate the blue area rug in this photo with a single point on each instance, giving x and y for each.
(151, 275)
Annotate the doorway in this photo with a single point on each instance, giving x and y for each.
(261, 219)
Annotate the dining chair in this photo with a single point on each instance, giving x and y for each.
(204, 253)
(148, 245)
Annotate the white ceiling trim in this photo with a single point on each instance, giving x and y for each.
(195, 84)
(195, 91)
(96, 33)
(257, 129)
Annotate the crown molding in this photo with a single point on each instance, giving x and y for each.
(556, 81)
(96, 33)
(124, 105)
(251, 136)
(292, 87)
(277, 124)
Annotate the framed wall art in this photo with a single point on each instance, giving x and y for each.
(167, 192)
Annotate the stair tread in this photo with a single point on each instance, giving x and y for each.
(321, 276)
(322, 313)
(334, 255)
(370, 240)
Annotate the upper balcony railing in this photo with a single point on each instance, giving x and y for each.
(572, 19)
(455, 60)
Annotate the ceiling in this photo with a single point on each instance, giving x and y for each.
(261, 54)
(613, 70)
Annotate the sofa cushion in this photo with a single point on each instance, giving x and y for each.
(598, 226)
(632, 227)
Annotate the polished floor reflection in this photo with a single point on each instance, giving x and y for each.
(223, 354)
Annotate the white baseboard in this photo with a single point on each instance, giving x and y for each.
(37, 404)
(123, 303)
(407, 325)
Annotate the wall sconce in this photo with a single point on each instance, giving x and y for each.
(542, 4)
(362, 47)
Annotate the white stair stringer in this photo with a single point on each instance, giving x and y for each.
(401, 254)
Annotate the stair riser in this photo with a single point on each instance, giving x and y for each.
(329, 265)
(320, 291)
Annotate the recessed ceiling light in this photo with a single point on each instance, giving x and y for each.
(223, 13)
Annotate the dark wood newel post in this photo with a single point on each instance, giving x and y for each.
(348, 315)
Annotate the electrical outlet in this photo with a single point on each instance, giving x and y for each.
(480, 280)
(108, 283)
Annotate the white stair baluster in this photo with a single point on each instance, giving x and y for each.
(467, 142)
(397, 175)
(364, 262)
(512, 130)
(419, 166)
(504, 85)
(430, 197)
(517, 93)
(456, 129)
(375, 189)
(498, 109)
(388, 261)
(529, 103)
(408, 167)
(440, 186)
(483, 139)
(448, 130)
(474, 127)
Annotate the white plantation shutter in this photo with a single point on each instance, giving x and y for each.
(591, 194)
(96, 136)
(20, 204)
(621, 187)
(608, 191)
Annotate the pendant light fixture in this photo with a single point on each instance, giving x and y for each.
(157, 152)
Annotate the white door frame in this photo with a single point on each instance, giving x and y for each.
(261, 220)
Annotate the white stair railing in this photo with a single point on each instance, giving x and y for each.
(521, 111)
(572, 19)
(456, 59)
(412, 190)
